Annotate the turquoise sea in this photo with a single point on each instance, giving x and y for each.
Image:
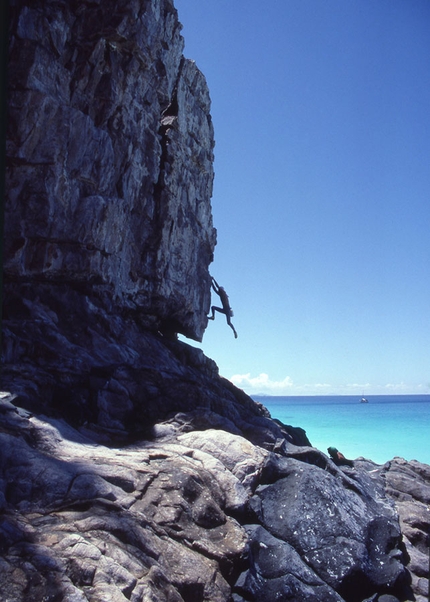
(387, 426)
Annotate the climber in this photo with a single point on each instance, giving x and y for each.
(226, 309)
(339, 458)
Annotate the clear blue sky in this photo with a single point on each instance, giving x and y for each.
(321, 199)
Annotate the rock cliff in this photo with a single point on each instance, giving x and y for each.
(129, 469)
(110, 153)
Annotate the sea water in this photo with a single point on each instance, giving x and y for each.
(387, 426)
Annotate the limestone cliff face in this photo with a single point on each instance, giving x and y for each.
(110, 153)
(108, 225)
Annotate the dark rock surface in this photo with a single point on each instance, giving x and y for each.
(110, 163)
(129, 469)
(108, 224)
(408, 483)
(195, 513)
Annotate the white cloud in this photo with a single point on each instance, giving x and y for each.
(262, 384)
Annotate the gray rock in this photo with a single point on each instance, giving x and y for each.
(189, 514)
(351, 541)
(408, 483)
(129, 469)
(92, 522)
(108, 223)
(278, 572)
(110, 163)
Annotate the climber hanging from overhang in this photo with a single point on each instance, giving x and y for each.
(225, 309)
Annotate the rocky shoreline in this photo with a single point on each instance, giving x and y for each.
(198, 512)
(129, 468)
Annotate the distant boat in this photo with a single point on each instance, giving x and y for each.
(364, 400)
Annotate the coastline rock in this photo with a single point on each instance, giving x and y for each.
(129, 469)
(109, 165)
(199, 515)
(408, 483)
(350, 540)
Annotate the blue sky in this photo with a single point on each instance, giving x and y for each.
(321, 197)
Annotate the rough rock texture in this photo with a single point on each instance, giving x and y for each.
(108, 226)
(110, 153)
(408, 483)
(108, 223)
(129, 469)
(195, 514)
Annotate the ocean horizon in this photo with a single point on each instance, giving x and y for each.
(387, 426)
